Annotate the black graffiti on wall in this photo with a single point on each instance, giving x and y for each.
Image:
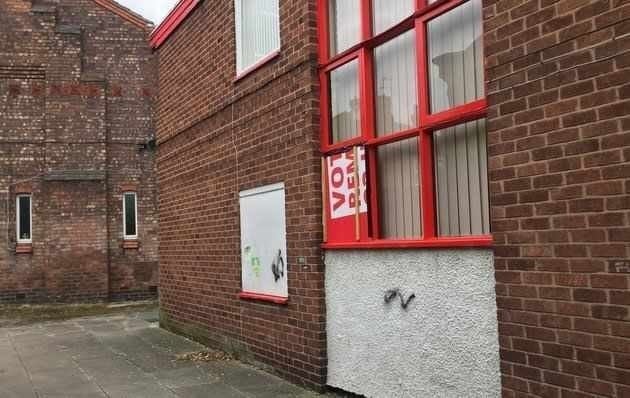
(392, 293)
(277, 266)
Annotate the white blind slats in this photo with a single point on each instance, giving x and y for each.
(396, 88)
(387, 13)
(344, 92)
(257, 31)
(455, 67)
(461, 180)
(399, 189)
(345, 24)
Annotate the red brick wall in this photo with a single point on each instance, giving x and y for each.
(559, 144)
(217, 137)
(76, 87)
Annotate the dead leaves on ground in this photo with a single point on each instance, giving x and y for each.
(204, 356)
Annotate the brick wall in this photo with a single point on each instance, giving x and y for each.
(559, 144)
(76, 92)
(217, 137)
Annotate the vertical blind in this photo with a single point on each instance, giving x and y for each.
(395, 80)
(257, 31)
(345, 24)
(461, 179)
(455, 57)
(344, 93)
(387, 13)
(399, 189)
(455, 78)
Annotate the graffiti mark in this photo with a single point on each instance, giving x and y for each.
(391, 295)
(277, 266)
(253, 261)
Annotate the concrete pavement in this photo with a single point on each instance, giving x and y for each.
(124, 356)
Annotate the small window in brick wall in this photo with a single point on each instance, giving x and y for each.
(130, 216)
(24, 219)
(403, 123)
(257, 32)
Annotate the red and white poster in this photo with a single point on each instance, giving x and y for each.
(347, 195)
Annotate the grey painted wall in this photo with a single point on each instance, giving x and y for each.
(444, 345)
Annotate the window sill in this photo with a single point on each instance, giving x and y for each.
(130, 244)
(24, 248)
(454, 242)
(248, 71)
(263, 297)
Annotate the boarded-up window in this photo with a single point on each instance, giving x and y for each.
(263, 241)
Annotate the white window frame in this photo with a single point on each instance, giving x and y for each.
(17, 218)
(124, 205)
(244, 69)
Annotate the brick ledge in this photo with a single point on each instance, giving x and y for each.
(24, 248)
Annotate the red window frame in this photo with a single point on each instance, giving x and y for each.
(428, 122)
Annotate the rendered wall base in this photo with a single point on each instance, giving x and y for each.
(445, 344)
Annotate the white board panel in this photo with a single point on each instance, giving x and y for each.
(263, 241)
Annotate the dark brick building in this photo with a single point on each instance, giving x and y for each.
(77, 80)
(474, 154)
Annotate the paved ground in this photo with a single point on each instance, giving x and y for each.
(124, 355)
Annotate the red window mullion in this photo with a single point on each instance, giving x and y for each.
(423, 72)
(366, 93)
(323, 31)
(366, 19)
(368, 121)
(457, 115)
(373, 191)
(343, 146)
(425, 145)
(340, 61)
(439, 8)
(389, 138)
(324, 116)
(427, 191)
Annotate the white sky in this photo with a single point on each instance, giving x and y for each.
(153, 10)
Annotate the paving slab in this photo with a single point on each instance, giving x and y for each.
(166, 341)
(122, 356)
(185, 377)
(64, 381)
(244, 376)
(141, 389)
(222, 390)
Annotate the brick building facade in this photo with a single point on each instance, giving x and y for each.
(559, 155)
(223, 137)
(535, 305)
(77, 80)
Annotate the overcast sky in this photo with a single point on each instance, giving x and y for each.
(153, 10)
